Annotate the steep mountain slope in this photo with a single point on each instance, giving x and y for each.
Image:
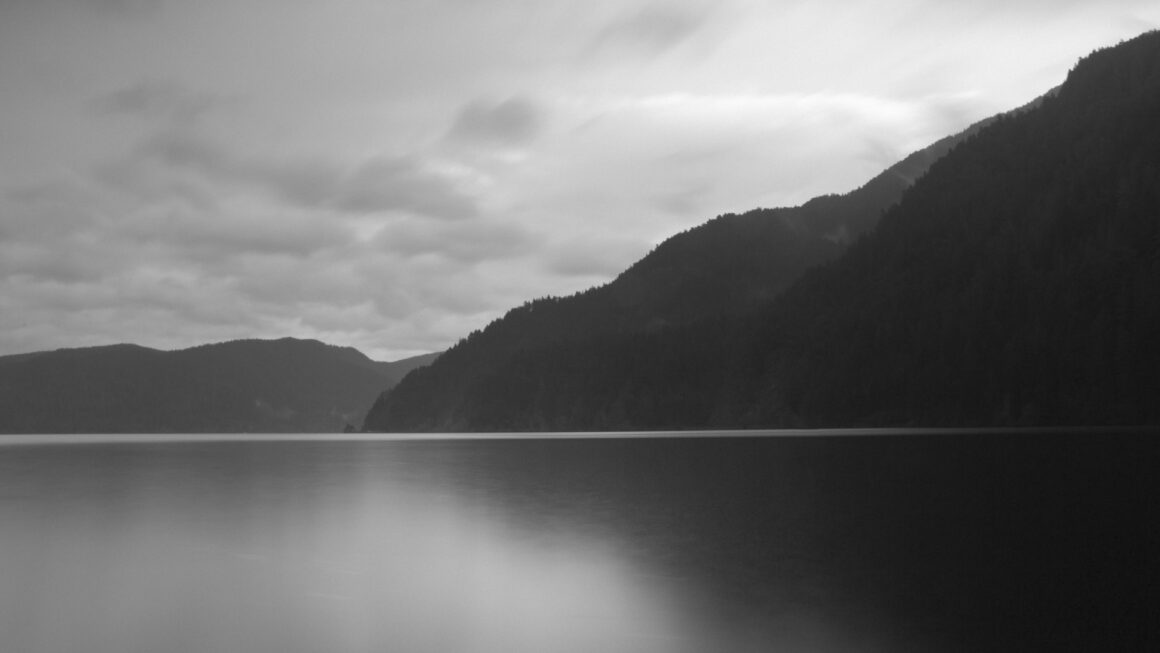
(396, 370)
(282, 385)
(1016, 282)
(723, 268)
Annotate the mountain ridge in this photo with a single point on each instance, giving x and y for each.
(249, 385)
(725, 266)
(1029, 181)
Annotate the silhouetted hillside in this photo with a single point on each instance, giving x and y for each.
(400, 368)
(725, 267)
(282, 385)
(1016, 282)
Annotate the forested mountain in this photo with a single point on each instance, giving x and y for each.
(282, 385)
(727, 266)
(394, 371)
(1017, 281)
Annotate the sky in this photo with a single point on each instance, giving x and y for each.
(393, 174)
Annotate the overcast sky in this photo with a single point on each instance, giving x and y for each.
(392, 174)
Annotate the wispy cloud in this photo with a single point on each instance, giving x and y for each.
(648, 31)
(514, 121)
(401, 183)
(376, 185)
(466, 243)
(162, 100)
(593, 257)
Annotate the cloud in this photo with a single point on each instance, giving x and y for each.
(110, 8)
(170, 275)
(162, 100)
(380, 184)
(648, 31)
(177, 173)
(181, 240)
(299, 181)
(685, 200)
(43, 262)
(464, 243)
(514, 121)
(401, 183)
(88, 236)
(124, 7)
(145, 182)
(53, 192)
(207, 237)
(593, 257)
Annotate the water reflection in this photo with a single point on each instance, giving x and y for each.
(561, 546)
(260, 548)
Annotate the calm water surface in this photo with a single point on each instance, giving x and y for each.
(883, 543)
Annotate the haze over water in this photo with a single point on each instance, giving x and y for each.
(882, 543)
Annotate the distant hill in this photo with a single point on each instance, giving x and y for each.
(400, 368)
(285, 385)
(1017, 281)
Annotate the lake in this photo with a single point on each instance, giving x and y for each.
(830, 542)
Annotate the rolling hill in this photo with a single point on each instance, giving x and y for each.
(285, 385)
